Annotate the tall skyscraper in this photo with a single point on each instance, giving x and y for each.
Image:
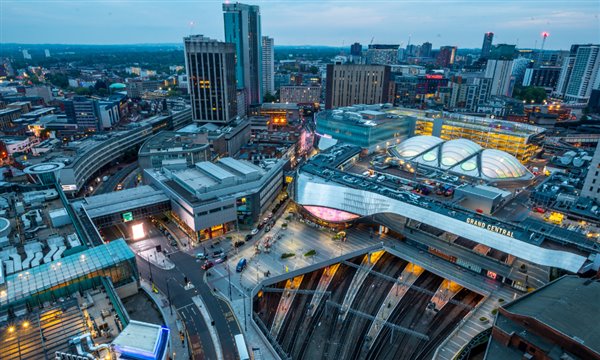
(580, 72)
(446, 56)
(356, 49)
(425, 50)
(357, 84)
(268, 65)
(242, 28)
(499, 69)
(210, 66)
(486, 47)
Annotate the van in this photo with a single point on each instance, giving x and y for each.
(241, 265)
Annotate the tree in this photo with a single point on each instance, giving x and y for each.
(58, 80)
(528, 93)
(269, 98)
(313, 70)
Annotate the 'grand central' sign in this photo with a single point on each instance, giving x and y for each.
(490, 227)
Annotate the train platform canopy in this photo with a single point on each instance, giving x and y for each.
(125, 200)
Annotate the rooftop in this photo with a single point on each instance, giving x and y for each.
(568, 305)
(45, 276)
(142, 341)
(113, 202)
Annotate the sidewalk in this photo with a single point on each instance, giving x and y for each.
(172, 321)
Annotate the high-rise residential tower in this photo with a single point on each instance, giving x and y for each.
(210, 66)
(499, 69)
(579, 73)
(268, 65)
(358, 84)
(242, 28)
(486, 47)
(446, 56)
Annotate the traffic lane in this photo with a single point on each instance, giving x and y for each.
(181, 299)
(216, 307)
(114, 180)
(195, 324)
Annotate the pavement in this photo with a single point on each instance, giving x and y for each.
(179, 350)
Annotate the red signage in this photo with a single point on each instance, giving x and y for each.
(430, 76)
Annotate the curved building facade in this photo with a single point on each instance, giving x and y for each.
(461, 156)
(313, 192)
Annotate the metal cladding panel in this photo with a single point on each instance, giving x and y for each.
(312, 190)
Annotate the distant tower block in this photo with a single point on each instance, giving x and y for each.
(46, 173)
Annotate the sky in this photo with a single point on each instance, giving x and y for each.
(306, 22)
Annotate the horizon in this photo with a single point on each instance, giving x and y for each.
(281, 46)
(331, 23)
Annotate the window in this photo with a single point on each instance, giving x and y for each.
(591, 188)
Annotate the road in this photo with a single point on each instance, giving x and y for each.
(112, 182)
(224, 321)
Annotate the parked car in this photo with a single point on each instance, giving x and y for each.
(201, 256)
(221, 259)
(173, 242)
(254, 231)
(248, 237)
(237, 244)
(217, 253)
(241, 265)
(207, 265)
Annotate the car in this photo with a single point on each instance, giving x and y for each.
(241, 265)
(207, 265)
(270, 216)
(254, 231)
(237, 244)
(366, 173)
(539, 209)
(173, 243)
(217, 253)
(201, 256)
(248, 237)
(221, 259)
(381, 178)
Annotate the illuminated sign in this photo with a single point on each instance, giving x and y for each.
(429, 76)
(329, 214)
(69, 187)
(128, 216)
(492, 275)
(490, 227)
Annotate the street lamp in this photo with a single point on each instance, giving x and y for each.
(169, 294)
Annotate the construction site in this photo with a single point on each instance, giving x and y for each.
(372, 306)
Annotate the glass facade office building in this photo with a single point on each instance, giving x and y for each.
(371, 130)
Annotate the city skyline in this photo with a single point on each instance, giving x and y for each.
(329, 23)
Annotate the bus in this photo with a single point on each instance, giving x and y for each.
(240, 344)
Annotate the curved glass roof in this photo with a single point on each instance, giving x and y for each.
(462, 156)
(416, 145)
(496, 164)
(455, 151)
